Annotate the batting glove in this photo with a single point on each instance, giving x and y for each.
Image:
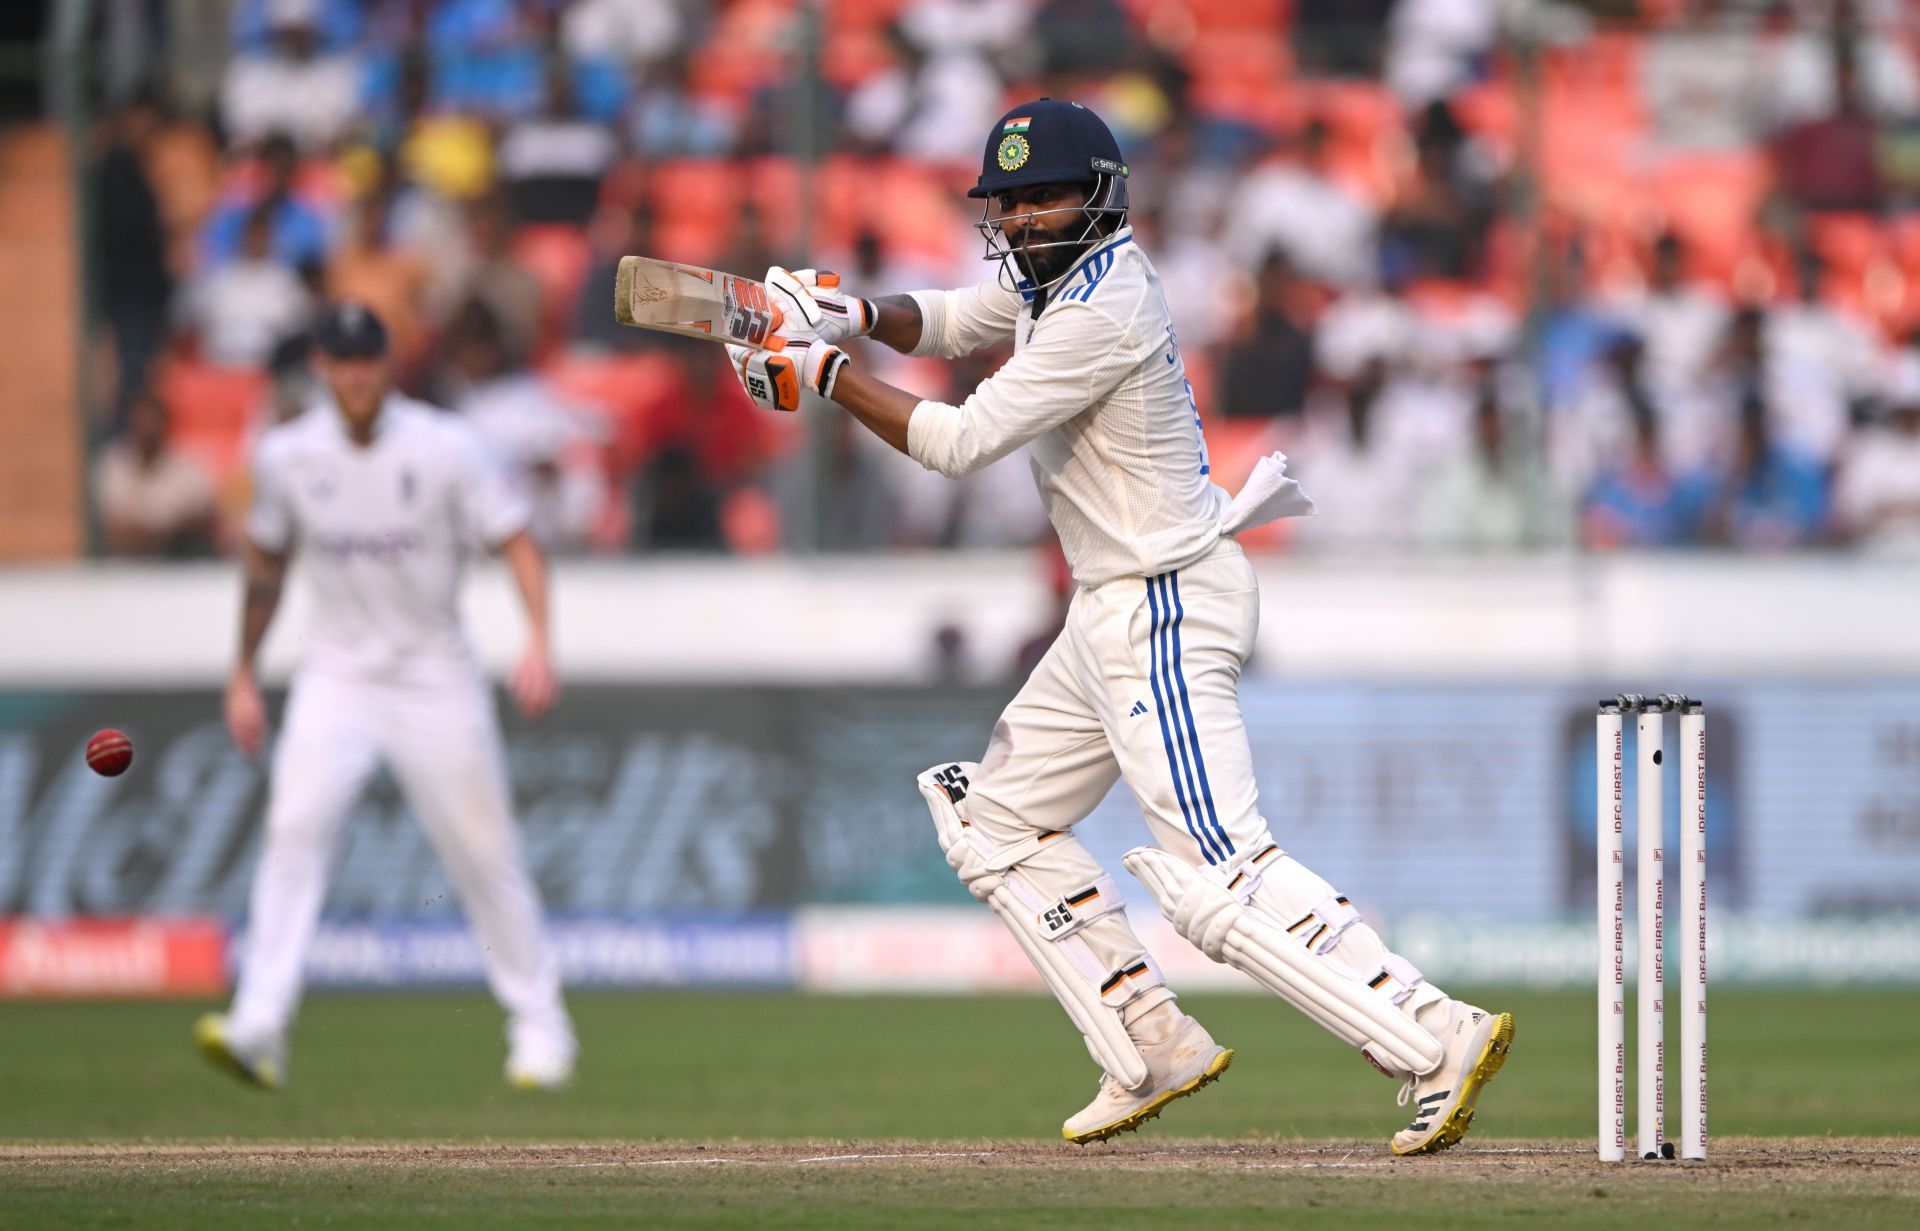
(813, 305)
(775, 378)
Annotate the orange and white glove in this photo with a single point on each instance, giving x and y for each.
(812, 305)
(775, 378)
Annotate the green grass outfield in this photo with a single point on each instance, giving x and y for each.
(773, 1110)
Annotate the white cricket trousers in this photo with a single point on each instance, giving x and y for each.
(1142, 684)
(443, 745)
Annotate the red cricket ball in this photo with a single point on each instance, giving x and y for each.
(109, 753)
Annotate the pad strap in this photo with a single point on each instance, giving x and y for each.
(1130, 982)
(1397, 978)
(1073, 911)
(1320, 929)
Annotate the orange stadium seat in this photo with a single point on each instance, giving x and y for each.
(210, 409)
(1242, 74)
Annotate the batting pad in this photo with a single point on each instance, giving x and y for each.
(1269, 917)
(1046, 923)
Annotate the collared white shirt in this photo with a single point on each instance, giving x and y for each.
(1097, 391)
(383, 532)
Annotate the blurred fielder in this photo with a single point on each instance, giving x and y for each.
(385, 497)
(1142, 684)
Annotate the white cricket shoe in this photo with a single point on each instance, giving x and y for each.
(1476, 1044)
(542, 1070)
(261, 1063)
(1177, 1065)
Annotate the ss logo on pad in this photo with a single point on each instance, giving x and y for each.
(1057, 917)
(954, 781)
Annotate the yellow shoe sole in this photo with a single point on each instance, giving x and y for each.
(1128, 1123)
(1455, 1126)
(212, 1042)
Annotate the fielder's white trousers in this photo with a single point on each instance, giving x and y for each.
(443, 745)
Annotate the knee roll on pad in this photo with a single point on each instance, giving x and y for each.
(1046, 925)
(1269, 917)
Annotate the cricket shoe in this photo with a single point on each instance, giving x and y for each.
(1476, 1043)
(1177, 1065)
(257, 1064)
(539, 1071)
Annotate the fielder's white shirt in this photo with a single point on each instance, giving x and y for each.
(1098, 392)
(383, 531)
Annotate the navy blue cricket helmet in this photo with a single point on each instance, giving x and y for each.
(1052, 142)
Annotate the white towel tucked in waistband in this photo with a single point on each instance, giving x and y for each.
(1268, 496)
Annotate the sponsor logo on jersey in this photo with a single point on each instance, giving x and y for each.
(1013, 152)
(389, 546)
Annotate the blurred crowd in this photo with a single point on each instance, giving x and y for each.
(1496, 276)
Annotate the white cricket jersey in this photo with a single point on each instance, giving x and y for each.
(1098, 392)
(383, 532)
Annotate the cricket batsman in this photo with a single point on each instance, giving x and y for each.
(1142, 684)
(384, 498)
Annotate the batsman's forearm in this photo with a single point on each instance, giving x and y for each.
(883, 409)
(529, 568)
(265, 577)
(896, 322)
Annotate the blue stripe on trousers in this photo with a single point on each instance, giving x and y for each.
(1163, 695)
(1193, 734)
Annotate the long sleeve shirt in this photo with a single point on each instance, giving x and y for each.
(1097, 391)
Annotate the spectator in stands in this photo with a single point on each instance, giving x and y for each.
(675, 507)
(1492, 493)
(1877, 494)
(1269, 363)
(936, 98)
(300, 233)
(594, 329)
(292, 86)
(666, 119)
(1704, 88)
(537, 439)
(1681, 319)
(551, 164)
(369, 268)
(1438, 225)
(1830, 162)
(1574, 331)
(135, 283)
(290, 381)
(1292, 200)
(488, 56)
(1800, 64)
(1638, 500)
(152, 500)
(1205, 288)
(1822, 362)
(239, 310)
(338, 23)
(1084, 37)
(1341, 38)
(492, 275)
(631, 33)
(1357, 465)
(1437, 47)
(1770, 496)
(750, 251)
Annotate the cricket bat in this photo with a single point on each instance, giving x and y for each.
(693, 302)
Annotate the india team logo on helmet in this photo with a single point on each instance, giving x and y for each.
(1013, 152)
